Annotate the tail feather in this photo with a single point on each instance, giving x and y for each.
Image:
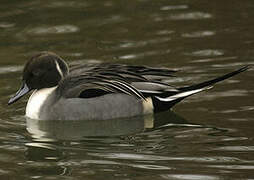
(182, 94)
(213, 81)
(165, 103)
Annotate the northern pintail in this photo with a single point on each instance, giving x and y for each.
(103, 91)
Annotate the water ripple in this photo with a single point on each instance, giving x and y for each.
(6, 25)
(214, 59)
(232, 166)
(8, 69)
(198, 34)
(98, 162)
(173, 7)
(150, 166)
(207, 52)
(247, 108)
(146, 157)
(191, 16)
(234, 64)
(4, 172)
(164, 32)
(236, 148)
(144, 54)
(188, 177)
(144, 43)
(130, 156)
(60, 29)
(73, 4)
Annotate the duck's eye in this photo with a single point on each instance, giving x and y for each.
(31, 75)
(36, 73)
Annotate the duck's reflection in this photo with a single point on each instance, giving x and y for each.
(46, 131)
(49, 137)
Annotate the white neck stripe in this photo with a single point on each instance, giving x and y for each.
(59, 69)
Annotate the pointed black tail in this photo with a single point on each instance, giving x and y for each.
(163, 104)
(213, 81)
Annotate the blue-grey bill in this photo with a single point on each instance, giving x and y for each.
(20, 93)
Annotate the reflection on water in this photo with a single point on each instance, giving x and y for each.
(46, 130)
(202, 39)
(171, 135)
(76, 130)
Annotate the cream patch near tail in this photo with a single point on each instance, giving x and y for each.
(148, 106)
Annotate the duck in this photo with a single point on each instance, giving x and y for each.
(100, 91)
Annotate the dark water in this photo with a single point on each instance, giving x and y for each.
(209, 136)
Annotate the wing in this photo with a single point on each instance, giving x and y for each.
(138, 81)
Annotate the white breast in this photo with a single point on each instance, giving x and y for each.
(36, 101)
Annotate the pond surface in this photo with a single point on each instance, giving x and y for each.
(208, 136)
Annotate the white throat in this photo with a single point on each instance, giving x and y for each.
(36, 101)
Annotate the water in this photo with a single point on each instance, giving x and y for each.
(208, 136)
